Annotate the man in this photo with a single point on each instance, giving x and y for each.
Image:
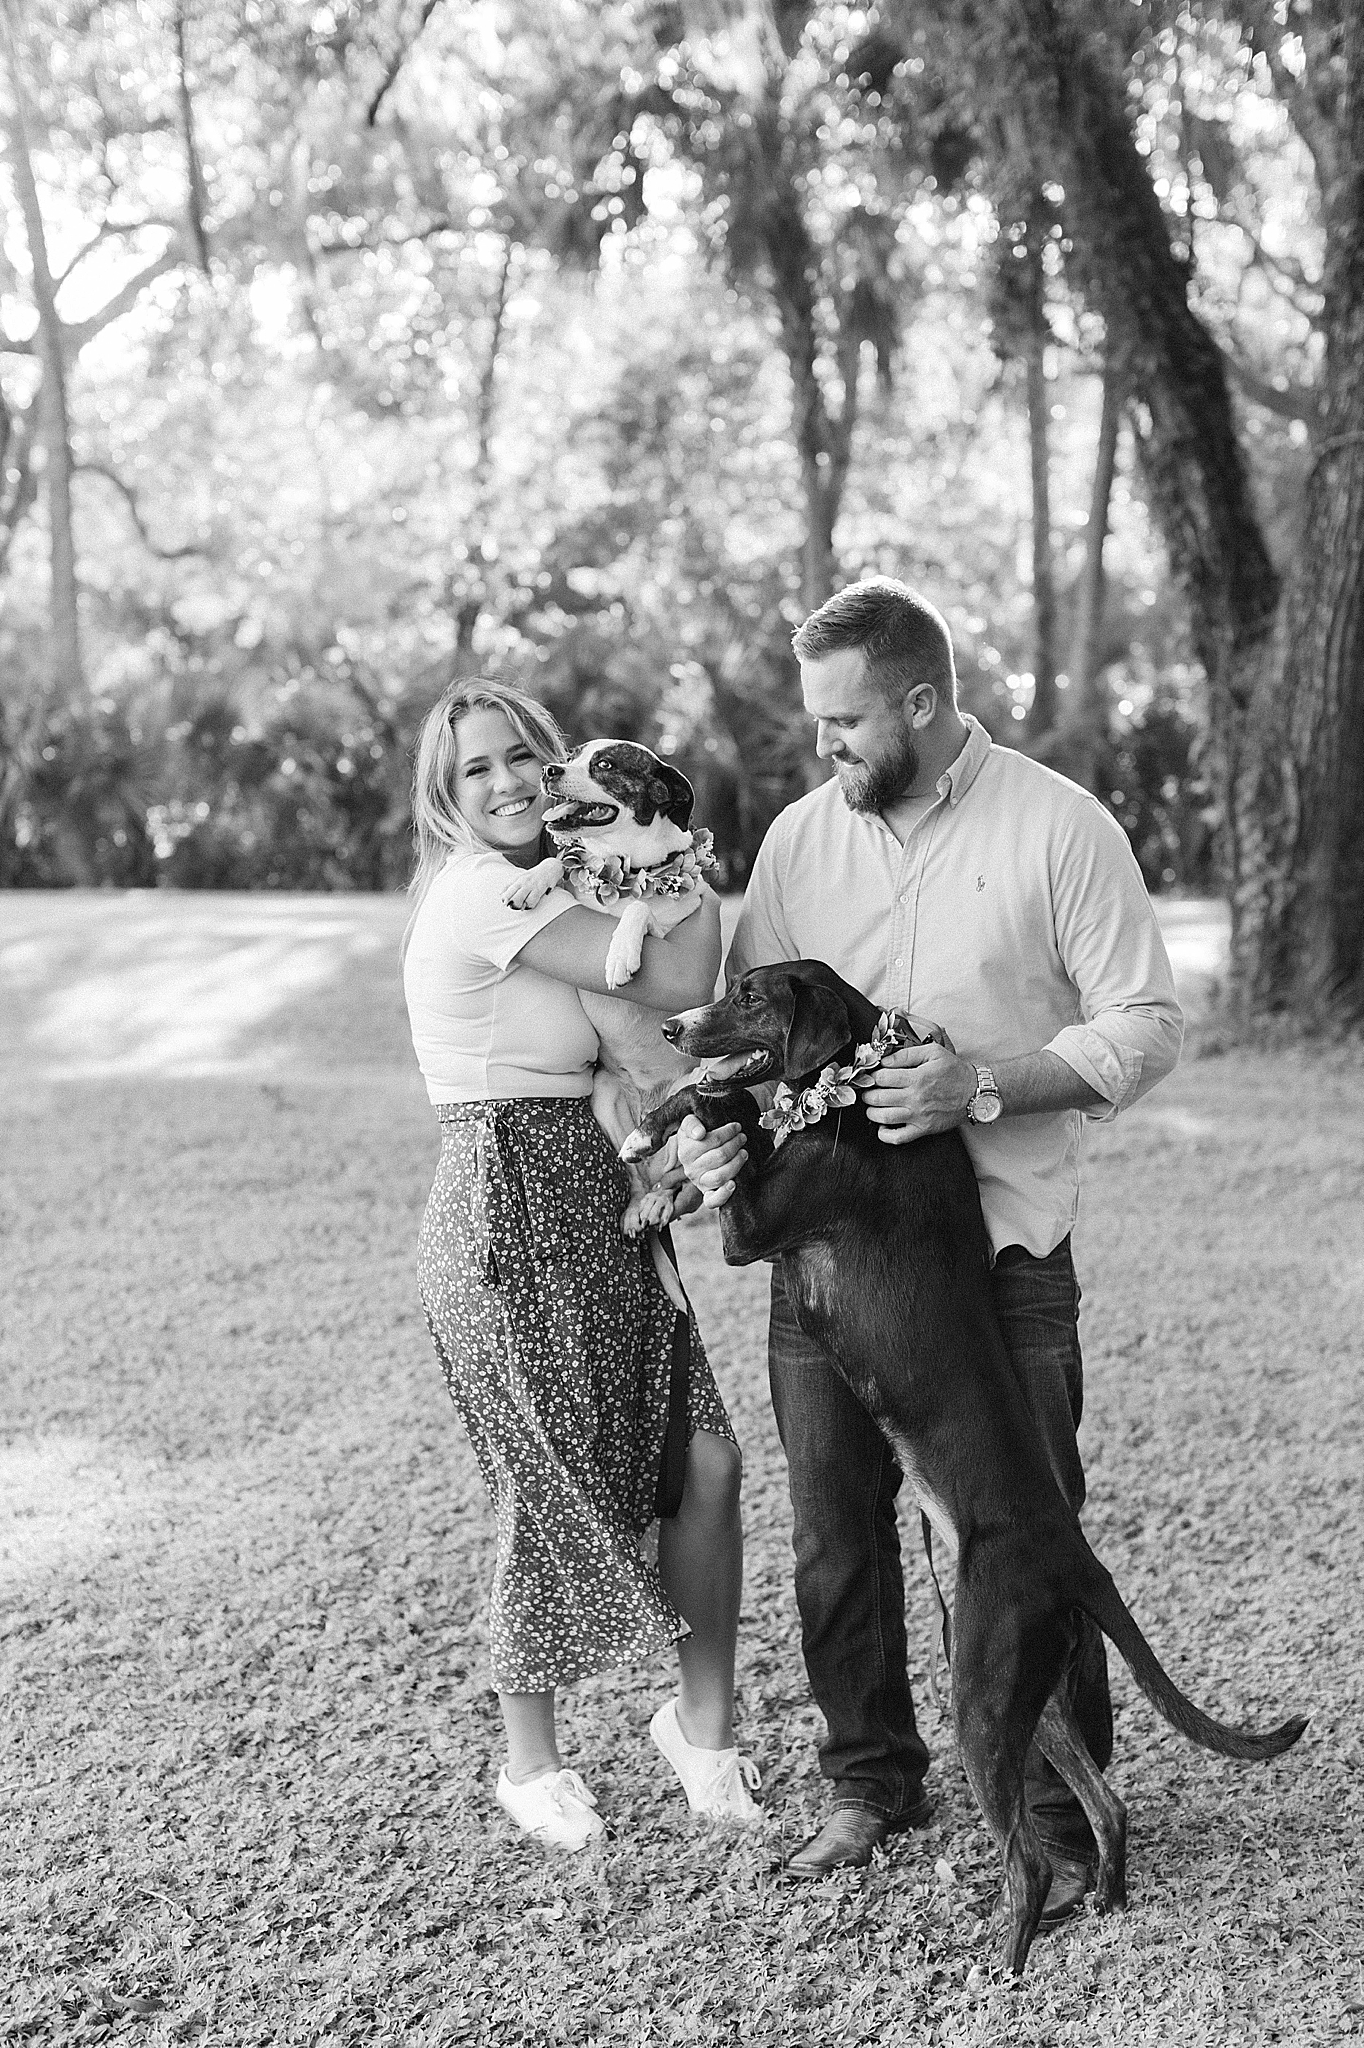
(968, 885)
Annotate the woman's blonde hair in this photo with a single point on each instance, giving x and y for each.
(437, 822)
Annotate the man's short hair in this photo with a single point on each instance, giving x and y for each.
(904, 638)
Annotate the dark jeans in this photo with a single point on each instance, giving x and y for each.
(844, 1478)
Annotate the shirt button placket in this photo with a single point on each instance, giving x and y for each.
(900, 934)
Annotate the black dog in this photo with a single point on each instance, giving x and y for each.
(885, 1260)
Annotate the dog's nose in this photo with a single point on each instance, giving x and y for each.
(551, 771)
(672, 1029)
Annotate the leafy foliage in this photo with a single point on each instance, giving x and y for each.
(543, 340)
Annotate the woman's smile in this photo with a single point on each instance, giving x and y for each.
(497, 783)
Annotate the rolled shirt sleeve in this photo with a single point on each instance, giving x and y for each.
(1110, 945)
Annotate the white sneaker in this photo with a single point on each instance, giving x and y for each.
(716, 1781)
(556, 1808)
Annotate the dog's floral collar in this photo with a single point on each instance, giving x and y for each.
(609, 878)
(834, 1089)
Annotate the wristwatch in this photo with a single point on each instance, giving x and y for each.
(985, 1104)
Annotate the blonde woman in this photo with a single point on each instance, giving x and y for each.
(552, 1330)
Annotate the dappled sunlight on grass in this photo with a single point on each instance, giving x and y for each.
(97, 985)
(249, 1747)
(64, 1502)
(102, 985)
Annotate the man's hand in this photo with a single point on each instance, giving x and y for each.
(916, 1091)
(711, 1160)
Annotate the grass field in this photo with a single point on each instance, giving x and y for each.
(248, 1742)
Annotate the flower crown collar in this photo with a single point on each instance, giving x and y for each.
(834, 1089)
(608, 877)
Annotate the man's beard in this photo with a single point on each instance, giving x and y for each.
(867, 788)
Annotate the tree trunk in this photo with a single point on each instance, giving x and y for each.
(818, 568)
(1042, 713)
(1090, 591)
(1285, 677)
(467, 607)
(1298, 892)
(197, 191)
(1196, 478)
(823, 438)
(1188, 441)
(67, 668)
(1083, 722)
(821, 481)
(18, 483)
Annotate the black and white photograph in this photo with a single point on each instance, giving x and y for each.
(681, 1023)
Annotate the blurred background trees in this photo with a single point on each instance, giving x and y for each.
(349, 347)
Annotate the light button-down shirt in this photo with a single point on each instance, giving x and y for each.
(1015, 916)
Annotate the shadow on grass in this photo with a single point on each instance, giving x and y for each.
(249, 1748)
(148, 983)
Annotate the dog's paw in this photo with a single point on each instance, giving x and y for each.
(637, 1146)
(531, 889)
(622, 962)
(626, 949)
(527, 895)
(654, 1211)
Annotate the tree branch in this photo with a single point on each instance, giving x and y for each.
(198, 194)
(130, 499)
(341, 247)
(78, 332)
(1292, 402)
(396, 63)
(101, 234)
(1265, 37)
(1286, 277)
(67, 669)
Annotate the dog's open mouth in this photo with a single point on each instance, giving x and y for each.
(573, 817)
(738, 1066)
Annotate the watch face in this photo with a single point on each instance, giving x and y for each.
(986, 1108)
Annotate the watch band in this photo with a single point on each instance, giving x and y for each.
(985, 1105)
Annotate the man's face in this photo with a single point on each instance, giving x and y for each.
(867, 738)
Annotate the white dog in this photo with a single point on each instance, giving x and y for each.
(620, 822)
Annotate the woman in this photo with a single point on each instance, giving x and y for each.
(553, 1330)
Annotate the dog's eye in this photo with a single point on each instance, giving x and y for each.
(744, 998)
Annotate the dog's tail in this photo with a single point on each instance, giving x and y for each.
(1101, 1599)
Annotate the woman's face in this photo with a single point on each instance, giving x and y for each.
(497, 781)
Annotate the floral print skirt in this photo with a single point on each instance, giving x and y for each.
(555, 1338)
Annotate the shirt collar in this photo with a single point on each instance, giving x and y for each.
(962, 772)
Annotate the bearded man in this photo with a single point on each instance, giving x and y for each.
(1001, 906)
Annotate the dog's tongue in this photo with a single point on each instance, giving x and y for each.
(574, 813)
(727, 1068)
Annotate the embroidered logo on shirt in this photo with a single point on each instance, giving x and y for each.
(980, 882)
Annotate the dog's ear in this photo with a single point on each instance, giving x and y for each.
(819, 1027)
(671, 792)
